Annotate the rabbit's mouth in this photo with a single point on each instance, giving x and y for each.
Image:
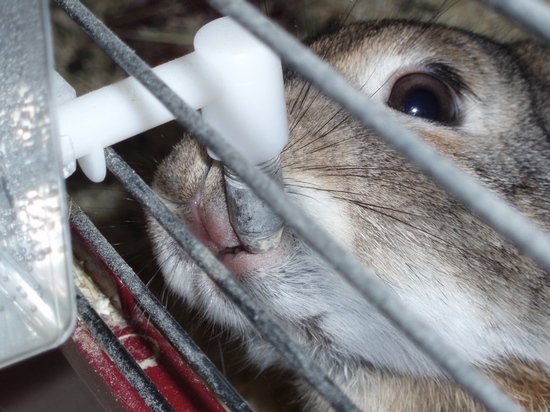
(209, 222)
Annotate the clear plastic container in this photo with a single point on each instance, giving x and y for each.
(37, 307)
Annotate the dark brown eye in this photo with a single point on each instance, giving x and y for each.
(427, 96)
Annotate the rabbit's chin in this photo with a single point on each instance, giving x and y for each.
(313, 305)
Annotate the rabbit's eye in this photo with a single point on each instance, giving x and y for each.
(425, 95)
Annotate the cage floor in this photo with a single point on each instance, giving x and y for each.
(42, 384)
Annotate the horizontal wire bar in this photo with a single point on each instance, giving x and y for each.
(121, 357)
(379, 294)
(534, 15)
(173, 331)
(264, 323)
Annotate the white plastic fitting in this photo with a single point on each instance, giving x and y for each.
(232, 77)
(251, 111)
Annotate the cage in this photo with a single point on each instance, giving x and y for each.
(114, 294)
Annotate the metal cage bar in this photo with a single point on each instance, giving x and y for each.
(532, 14)
(257, 316)
(507, 221)
(157, 313)
(120, 356)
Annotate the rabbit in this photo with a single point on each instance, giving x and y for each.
(481, 103)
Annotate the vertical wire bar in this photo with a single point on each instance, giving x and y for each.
(366, 282)
(120, 357)
(127, 59)
(264, 323)
(175, 334)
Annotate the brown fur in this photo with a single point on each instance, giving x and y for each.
(429, 249)
(527, 384)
